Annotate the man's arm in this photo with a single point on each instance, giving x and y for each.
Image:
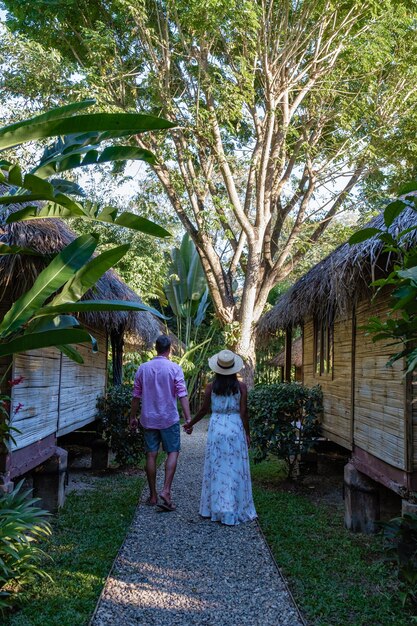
(134, 407)
(185, 405)
(182, 394)
(137, 393)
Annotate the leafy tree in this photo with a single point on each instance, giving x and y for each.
(283, 109)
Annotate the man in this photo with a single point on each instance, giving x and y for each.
(158, 383)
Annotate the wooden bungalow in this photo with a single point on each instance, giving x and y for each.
(56, 395)
(369, 408)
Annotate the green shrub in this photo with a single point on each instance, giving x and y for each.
(400, 546)
(114, 410)
(284, 421)
(22, 524)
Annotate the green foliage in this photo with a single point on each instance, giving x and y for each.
(22, 524)
(400, 544)
(399, 328)
(143, 267)
(87, 534)
(114, 410)
(284, 421)
(72, 271)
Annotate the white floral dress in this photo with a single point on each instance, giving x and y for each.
(226, 494)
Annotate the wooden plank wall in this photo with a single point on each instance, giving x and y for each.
(380, 395)
(81, 385)
(38, 393)
(57, 394)
(337, 389)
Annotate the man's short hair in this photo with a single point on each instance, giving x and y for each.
(162, 344)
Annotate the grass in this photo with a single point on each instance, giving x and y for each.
(338, 578)
(87, 535)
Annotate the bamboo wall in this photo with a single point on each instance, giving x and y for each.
(380, 394)
(381, 417)
(57, 395)
(80, 387)
(337, 388)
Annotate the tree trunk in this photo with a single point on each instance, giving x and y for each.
(245, 347)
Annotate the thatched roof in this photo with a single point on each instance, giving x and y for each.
(296, 355)
(49, 236)
(335, 285)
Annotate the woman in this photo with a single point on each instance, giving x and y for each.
(226, 495)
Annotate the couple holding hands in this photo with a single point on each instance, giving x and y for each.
(226, 494)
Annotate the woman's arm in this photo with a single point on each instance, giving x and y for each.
(244, 415)
(205, 408)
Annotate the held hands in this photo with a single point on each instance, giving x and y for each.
(188, 427)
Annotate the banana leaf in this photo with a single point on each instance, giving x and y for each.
(87, 276)
(30, 130)
(86, 306)
(56, 274)
(35, 341)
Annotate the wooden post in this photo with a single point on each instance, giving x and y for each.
(361, 501)
(49, 481)
(99, 454)
(288, 355)
(116, 338)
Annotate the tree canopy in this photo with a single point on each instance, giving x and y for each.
(288, 113)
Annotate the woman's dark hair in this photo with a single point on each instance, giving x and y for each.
(225, 385)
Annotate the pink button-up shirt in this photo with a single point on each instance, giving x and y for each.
(159, 383)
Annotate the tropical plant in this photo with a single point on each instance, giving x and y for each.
(34, 320)
(284, 421)
(114, 410)
(400, 546)
(22, 524)
(399, 327)
(186, 289)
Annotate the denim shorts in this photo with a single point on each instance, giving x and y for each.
(169, 437)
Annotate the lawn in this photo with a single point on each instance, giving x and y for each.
(87, 535)
(338, 578)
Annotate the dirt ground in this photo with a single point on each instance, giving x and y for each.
(81, 477)
(323, 483)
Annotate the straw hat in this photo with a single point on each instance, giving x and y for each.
(225, 362)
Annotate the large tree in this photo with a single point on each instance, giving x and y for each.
(286, 111)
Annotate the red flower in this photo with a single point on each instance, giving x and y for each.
(16, 381)
(17, 408)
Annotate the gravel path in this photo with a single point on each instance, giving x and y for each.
(176, 568)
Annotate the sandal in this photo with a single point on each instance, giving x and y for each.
(166, 505)
(148, 502)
